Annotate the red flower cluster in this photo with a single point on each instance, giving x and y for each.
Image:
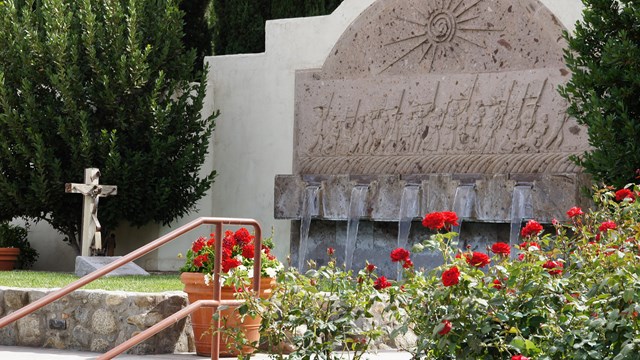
(381, 283)
(200, 260)
(532, 228)
(553, 267)
(451, 277)
(439, 220)
(400, 254)
(497, 284)
(476, 259)
(236, 246)
(371, 267)
(574, 211)
(501, 248)
(519, 357)
(446, 327)
(625, 194)
(607, 225)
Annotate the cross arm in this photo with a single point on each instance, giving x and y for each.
(91, 189)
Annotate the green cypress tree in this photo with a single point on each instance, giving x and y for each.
(604, 57)
(197, 32)
(89, 83)
(239, 24)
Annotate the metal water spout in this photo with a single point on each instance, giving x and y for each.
(310, 208)
(356, 211)
(521, 209)
(409, 210)
(463, 202)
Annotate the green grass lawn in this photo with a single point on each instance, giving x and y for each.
(137, 283)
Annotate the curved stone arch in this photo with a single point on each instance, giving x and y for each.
(404, 37)
(440, 86)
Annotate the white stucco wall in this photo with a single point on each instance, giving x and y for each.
(253, 139)
(255, 94)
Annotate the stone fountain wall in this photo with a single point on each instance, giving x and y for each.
(437, 94)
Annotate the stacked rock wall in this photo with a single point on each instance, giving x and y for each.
(95, 320)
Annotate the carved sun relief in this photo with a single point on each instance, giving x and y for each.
(444, 28)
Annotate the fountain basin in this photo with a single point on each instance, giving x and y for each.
(551, 195)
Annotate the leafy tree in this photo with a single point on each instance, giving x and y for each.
(604, 57)
(103, 84)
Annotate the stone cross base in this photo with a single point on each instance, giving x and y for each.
(89, 264)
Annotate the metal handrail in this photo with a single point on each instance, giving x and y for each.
(218, 222)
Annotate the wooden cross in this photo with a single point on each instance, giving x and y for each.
(92, 191)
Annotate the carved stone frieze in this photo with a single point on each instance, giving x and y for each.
(439, 86)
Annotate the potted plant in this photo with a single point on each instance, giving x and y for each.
(15, 250)
(237, 264)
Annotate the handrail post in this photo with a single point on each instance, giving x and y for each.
(215, 321)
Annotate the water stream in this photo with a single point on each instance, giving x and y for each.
(409, 207)
(463, 201)
(310, 207)
(521, 209)
(356, 211)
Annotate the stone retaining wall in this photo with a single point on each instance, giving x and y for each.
(96, 320)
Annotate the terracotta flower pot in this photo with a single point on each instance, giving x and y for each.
(8, 258)
(196, 289)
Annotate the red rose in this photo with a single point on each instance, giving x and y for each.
(433, 221)
(497, 284)
(408, 264)
(532, 228)
(450, 219)
(519, 357)
(478, 259)
(331, 251)
(501, 248)
(607, 225)
(624, 194)
(451, 277)
(553, 267)
(371, 267)
(248, 251)
(446, 327)
(381, 283)
(198, 245)
(399, 254)
(574, 211)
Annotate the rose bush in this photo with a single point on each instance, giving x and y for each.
(570, 294)
(312, 315)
